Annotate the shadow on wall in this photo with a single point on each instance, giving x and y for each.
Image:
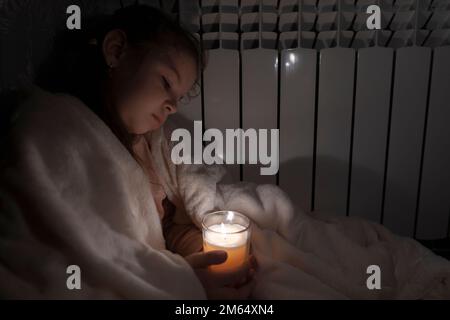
(28, 29)
(28, 32)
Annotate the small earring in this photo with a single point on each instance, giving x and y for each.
(110, 69)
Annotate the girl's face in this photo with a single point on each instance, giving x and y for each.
(146, 88)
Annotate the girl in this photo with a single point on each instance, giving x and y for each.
(133, 70)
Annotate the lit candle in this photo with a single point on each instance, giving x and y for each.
(228, 231)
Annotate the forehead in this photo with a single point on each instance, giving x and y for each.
(178, 65)
(181, 63)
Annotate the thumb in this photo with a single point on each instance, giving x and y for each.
(204, 259)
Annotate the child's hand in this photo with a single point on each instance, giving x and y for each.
(218, 287)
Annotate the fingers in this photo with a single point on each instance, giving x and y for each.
(237, 277)
(249, 277)
(204, 259)
(233, 285)
(246, 279)
(231, 278)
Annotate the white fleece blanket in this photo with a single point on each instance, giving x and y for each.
(72, 194)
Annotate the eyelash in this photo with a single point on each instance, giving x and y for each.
(166, 83)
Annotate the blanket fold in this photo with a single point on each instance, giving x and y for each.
(71, 194)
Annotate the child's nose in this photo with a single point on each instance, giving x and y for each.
(170, 108)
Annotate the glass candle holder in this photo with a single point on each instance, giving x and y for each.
(229, 231)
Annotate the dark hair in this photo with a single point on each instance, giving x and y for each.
(78, 67)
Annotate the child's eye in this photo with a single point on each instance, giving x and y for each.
(166, 83)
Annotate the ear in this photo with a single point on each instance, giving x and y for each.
(114, 46)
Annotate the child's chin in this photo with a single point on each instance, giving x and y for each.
(154, 127)
(145, 129)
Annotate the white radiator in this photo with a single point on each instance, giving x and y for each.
(364, 115)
